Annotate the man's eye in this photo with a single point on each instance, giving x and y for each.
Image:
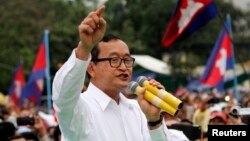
(115, 59)
(128, 59)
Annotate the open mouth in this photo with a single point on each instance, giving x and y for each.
(123, 76)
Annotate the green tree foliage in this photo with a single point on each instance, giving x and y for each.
(22, 25)
(140, 22)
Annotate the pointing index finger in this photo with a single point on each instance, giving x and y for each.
(100, 10)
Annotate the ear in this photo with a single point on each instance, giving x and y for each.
(90, 69)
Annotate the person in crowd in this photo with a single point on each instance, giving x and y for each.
(57, 134)
(218, 118)
(32, 125)
(246, 104)
(102, 112)
(201, 115)
(234, 117)
(7, 130)
(17, 138)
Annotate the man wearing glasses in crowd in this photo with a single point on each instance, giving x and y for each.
(102, 112)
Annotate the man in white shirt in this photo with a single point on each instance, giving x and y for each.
(102, 112)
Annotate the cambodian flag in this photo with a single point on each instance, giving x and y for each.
(34, 88)
(17, 84)
(189, 16)
(220, 60)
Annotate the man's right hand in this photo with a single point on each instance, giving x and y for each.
(91, 30)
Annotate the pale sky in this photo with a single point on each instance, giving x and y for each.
(243, 4)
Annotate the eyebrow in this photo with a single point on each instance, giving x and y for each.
(116, 54)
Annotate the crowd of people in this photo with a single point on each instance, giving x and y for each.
(205, 108)
(200, 110)
(27, 122)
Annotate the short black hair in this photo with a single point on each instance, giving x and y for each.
(7, 130)
(57, 133)
(95, 51)
(30, 136)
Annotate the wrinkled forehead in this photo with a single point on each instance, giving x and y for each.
(113, 48)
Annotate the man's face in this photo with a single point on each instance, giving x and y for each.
(106, 76)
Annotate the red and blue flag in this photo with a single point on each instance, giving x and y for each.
(35, 85)
(17, 84)
(220, 60)
(189, 16)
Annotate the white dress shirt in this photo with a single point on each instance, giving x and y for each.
(94, 116)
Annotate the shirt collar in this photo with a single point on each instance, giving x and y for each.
(102, 98)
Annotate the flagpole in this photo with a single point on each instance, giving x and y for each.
(229, 29)
(46, 33)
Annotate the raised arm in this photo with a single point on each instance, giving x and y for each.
(69, 79)
(91, 30)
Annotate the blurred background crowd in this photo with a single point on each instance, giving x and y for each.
(200, 109)
(26, 123)
(203, 108)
